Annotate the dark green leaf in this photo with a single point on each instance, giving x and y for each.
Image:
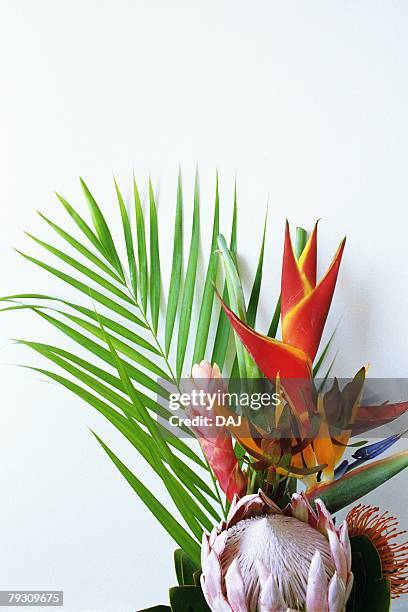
(185, 568)
(188, 599)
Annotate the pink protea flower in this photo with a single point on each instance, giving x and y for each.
(216, 441)
(263, 559)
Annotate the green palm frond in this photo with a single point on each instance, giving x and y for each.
(120, 366)
(126, 349)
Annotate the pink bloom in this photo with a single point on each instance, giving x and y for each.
(264, 559)
(216, 441)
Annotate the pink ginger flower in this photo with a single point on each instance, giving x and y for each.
(216, 441)
(264, 559)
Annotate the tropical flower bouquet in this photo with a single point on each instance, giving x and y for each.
(254, 491)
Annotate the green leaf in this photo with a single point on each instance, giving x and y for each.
(340, 493)
(54, 353)
(224, 328)
(136, 436)
(254, 298)
(104, 354)
(166, 519)
(102, 229)
(300, 241)
(273, 328)
(256, 287)
(322, 357)
(185, 568)
(207, 300)
(188, 599)
(119, 345)
(108, 323)
(176, 268)
(154, 261)
(372, 562)
(88, 291)
(83, 250)
(379, 597)
(370, 590)
(97, 278)
(188, 508)
(237, 303)
(189, 283)
(119, 329)
(141, 247)
(127, 232)
(83, 226)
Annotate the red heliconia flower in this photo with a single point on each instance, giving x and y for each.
(216, 442)
(382, 531)
(305, 307)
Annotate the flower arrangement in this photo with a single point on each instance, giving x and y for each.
(255, 497)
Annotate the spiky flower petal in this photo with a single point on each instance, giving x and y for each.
(266, 559)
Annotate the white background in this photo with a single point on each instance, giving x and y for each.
(306, 102)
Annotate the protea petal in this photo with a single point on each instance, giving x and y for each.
(324, 519)
(213, 577)
(221, 605)
(317, 586)
(269, 563)
(235, 588)
(338, 555)
(345, 542)
(300, 508)
(270, 598)
(337, 594)
(303, 325)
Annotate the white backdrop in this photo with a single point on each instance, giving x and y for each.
(306, 103)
